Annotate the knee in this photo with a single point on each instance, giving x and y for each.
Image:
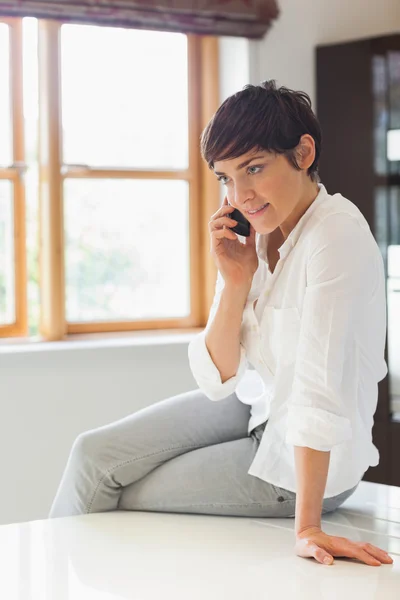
(88, 446)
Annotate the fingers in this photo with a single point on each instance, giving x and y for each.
(364, 552)
(225, 209)
(368, 554)
(321, 555)
(379, 554)
(325, 558)
(366, 558)
(219, 223)
(323, 548)
(220, 229)
(218, 234)
(308, 549)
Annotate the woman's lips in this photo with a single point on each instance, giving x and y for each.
(259, 213)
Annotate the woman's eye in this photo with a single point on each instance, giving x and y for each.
(254, 170)
(223, 179)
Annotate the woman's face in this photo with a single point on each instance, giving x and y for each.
(260, 178)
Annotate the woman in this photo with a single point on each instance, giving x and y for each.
(304, 305)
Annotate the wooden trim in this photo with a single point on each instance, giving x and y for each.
(19, 186)
(110, 326)
(8, 331)
(51, 221)
(9, 20)
(195, 229)
(210, 189)
(20, 327)
(77, 172)
(11, 174)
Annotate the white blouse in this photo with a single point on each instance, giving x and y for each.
(312, 351)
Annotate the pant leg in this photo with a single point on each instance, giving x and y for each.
(105, 460)
(211, 480)
(214, 480)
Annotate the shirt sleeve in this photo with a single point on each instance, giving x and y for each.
(341, 275)
(203, 369)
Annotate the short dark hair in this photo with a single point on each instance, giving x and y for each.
(262, 117)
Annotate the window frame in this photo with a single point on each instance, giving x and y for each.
(14, 173)
(204, 197)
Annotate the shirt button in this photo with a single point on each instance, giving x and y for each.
(281, 499)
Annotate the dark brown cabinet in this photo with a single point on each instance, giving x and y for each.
(358, 105)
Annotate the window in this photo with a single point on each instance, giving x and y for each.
(116, 234)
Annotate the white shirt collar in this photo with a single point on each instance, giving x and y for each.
(262, 239)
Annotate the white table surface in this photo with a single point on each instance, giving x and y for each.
(165, 556)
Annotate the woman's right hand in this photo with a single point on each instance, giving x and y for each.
(236, 262)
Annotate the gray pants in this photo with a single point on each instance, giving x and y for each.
(185, 454)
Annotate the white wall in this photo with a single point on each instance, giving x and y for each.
(287, 53)
(234, 65)
(51, 393)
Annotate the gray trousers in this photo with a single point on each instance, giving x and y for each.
(184, 454)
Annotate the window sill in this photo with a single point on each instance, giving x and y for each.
(155, 337)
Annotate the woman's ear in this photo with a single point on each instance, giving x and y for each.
(306, 151)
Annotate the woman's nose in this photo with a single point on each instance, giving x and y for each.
(242, 195)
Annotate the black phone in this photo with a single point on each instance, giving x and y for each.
(243, 226)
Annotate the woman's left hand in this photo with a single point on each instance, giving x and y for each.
(314, 543)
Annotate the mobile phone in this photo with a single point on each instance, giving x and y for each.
(243, 226)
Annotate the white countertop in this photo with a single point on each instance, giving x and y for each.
(166, 556)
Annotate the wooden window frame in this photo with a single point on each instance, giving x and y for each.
(14, 174)
(204, 197)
